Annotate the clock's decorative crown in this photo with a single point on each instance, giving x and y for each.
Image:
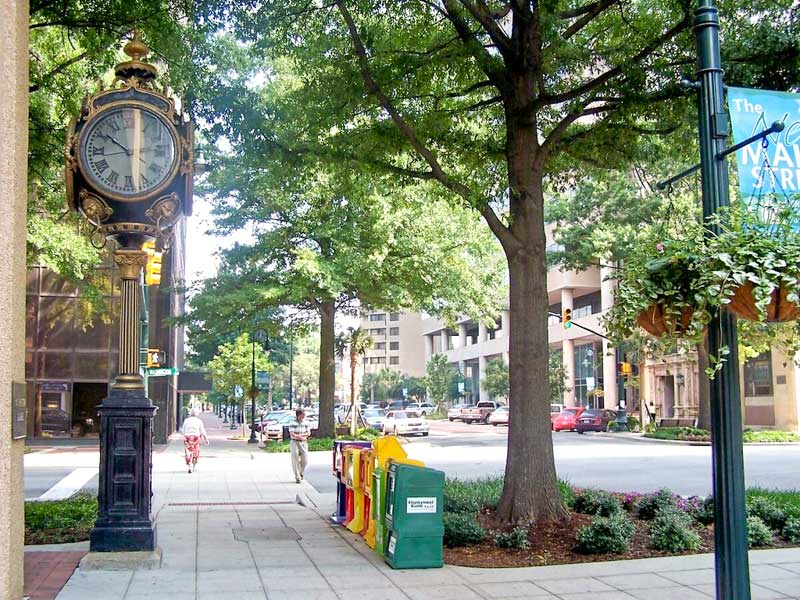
(136, 67)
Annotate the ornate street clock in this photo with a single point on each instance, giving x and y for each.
(129, 172)
(130, 157)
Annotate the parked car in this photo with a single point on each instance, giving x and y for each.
(595, 419)
(399, 422)
(566, 418)
(272, 417)
(499, 416)
(421, 408)
(397, 405)
(274, 431)
(555, 410)
(375, 417)
(479, 412)
(454, 413)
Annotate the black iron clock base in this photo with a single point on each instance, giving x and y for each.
(124, 494)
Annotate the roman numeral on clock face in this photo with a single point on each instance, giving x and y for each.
(98, 150)
(128, 182)
(101, 165)
(112, 179)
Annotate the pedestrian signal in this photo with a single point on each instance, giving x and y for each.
(566, 318)
(155, 357)
(624, 368)
(152, 270)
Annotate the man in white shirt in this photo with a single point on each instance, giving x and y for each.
(193, 431)
(299, 432)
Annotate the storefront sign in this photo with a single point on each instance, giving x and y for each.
(54, 386)
(770, 166)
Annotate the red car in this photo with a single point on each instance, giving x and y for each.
(567, 418)
(595, 420)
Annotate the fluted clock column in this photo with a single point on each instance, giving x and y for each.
(126, 432)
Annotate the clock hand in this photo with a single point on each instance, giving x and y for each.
(113, 139)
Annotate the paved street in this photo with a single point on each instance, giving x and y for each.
(233, 529)
(469, 451)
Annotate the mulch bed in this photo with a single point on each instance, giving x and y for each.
(551, 544)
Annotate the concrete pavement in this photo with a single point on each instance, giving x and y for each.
(234, 529)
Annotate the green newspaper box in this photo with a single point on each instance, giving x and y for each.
(378, 508)
(413, 518)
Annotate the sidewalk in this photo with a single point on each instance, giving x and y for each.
(234, 530)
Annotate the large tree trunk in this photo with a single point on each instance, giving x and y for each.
(704, 387)
(530, 492)
(327, 369)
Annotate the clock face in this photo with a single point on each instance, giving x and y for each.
(128, 151)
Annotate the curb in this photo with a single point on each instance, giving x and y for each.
(641, 438)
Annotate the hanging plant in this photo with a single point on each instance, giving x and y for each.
(751, 267)
(756, 258)
(661, 289)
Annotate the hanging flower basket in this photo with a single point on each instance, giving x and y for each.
(656, 321)
(779, 310)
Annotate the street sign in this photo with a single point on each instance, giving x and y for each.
(238, 391)
(405, 392)
(589, 384)
(162, 372)
(460, 387)
(262, 379)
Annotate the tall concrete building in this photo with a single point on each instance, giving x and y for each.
(398, 343)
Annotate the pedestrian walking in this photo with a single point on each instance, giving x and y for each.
(299, 431)
(193, 432)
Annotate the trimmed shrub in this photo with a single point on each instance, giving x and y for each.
(461, 529)
(567, 493)
(758, 534)
(605, 535)
(634, 424)
(472, 495)
(791, 531)
(596, 502)
(769, 512)
(704, 512)
(672, 532)
(517, 539)
(650, 505)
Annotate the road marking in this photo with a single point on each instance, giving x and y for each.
(69, 485)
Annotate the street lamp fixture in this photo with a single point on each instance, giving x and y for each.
(260, 337)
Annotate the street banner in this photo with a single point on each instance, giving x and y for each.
(262, 379)
(768, 167)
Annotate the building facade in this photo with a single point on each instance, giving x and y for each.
(397, 338)
(71, 354)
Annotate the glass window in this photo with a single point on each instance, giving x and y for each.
(378, 317)
(381, 332)
(380, 346)
(91, 366)
(394, 331)
(56, 322)
(394, 345)
(55, 365)
(394, 360)
(758, 376)
(93, 331)
(33, 280)
(394, 316)
(588, 373)
(53, 283)
(378, 360)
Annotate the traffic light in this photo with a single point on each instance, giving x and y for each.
(152, 270)
(156, 357)
(624, 368)
(566, 318)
